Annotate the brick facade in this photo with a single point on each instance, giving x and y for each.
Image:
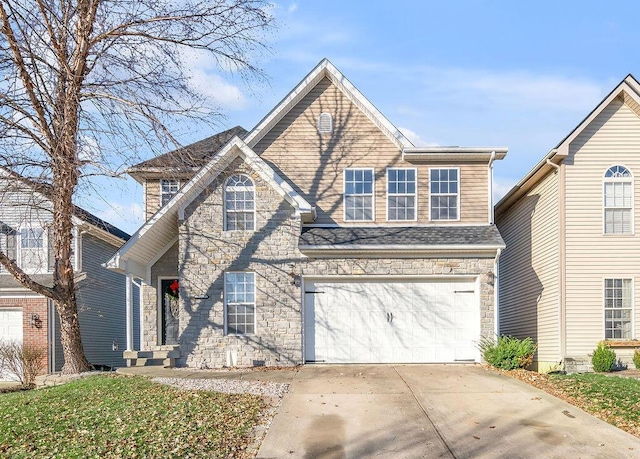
(32, 336)
(206, 252)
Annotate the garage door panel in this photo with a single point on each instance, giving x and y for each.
(433, 321)
(10, 330)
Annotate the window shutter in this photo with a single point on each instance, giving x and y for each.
(50, 252)
(11, 245)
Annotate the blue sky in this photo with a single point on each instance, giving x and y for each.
(470, 73)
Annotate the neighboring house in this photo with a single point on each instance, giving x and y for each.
(322, 235)
(25, 220)
(568, 275)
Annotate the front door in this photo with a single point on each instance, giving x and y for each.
(169, 304)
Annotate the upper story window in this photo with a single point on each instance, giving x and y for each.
(401, 194)
(240, 302)
(325, 123)
(444, 200)
(358, 195)
(618, 201)
(168, 189)
(33, 254)
(618, 305)
(239, 203)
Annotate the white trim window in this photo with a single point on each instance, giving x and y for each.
(618, 200)
(618, 307)
(240, 302)
(239, 204)
(325, 123)
(358, 195)
(444, 200)
(168, 189)
(401, 194)
(33, 250)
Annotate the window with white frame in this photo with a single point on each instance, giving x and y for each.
(358, 195)
(618, 200)
(240, 302)
(444, 186)
(401, 194)
(168, 189)
(239, 204)
(33, 251)
(617, 308)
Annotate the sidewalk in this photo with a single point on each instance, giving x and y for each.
(280, 375)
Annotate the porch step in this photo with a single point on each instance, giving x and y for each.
(156, 357)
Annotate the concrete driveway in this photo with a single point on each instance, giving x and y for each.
(432, 411)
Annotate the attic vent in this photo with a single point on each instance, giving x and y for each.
(325, 123)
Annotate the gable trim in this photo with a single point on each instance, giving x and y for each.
(328, 70)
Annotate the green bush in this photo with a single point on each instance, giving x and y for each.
(636, 358)
(604, 358)
(508, 353)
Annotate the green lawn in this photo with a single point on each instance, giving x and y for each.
(613, 399)
(116, 416)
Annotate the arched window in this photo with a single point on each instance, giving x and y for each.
(325, 123)
(239, 204)
(618, 200)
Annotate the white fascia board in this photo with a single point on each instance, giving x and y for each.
(326, 69)
(317, 252)
(563, 147)
(454, 153)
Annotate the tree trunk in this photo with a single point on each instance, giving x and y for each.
(74, 359)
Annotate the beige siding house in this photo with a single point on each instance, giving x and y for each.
(568, 274)
(321, 235)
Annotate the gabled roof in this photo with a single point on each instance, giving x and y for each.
(628, 89)
(105, 230)
(401, 239)
(326, 69)
(159, 233)
(188, 158)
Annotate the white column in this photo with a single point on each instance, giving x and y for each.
(141, 311)
(129, 310)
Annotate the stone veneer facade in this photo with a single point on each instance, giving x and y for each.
(205, 252)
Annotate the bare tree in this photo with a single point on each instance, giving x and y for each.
(86, 84)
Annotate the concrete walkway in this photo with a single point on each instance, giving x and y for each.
(432, 411)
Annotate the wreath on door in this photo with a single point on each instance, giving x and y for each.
(171, 297)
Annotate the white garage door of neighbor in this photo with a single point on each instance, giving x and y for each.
(10, 330)
(402, 321)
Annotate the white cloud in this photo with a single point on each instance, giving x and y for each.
(415, 138)
(127, 216)
(292, 8)
(501, 186)
(206, 80)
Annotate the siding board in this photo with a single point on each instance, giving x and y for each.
(529, 266)
(612, 138)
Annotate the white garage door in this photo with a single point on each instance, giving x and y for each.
(402, 321)
(10, 329)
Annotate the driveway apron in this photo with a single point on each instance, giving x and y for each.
(432, 411)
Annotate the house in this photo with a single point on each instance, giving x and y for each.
(25, 219)
(568, 273)
(321, 235)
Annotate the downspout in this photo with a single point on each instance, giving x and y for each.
(562, 260)
(490, 186)
(129, 308)
(496, 293)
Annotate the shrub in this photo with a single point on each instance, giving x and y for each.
(508, 353)
(604, 358)
(24, 361)
(636, 358)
